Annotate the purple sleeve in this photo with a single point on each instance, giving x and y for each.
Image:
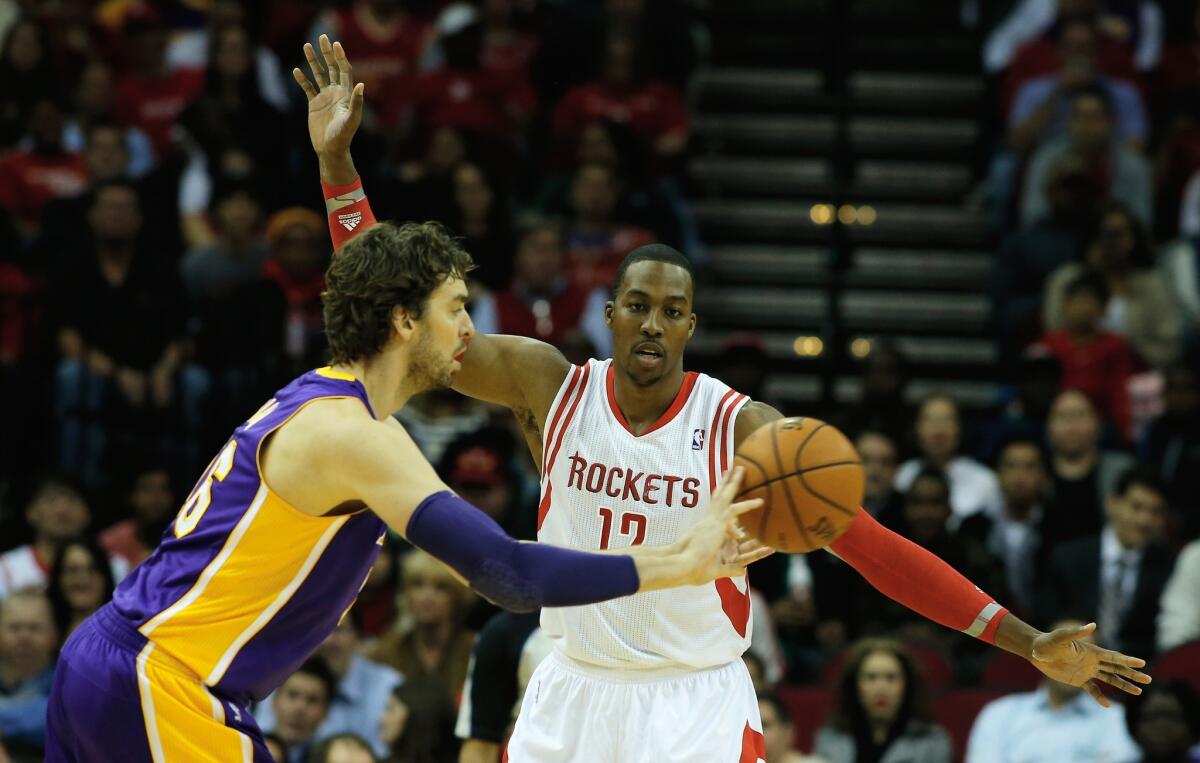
(517, 576)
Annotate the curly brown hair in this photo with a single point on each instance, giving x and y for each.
(378, 270)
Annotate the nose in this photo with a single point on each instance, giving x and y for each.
(468, 330)
(650, 326)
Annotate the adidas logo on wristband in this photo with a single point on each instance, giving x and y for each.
(350, 221)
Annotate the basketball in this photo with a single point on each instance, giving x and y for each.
(810, 478)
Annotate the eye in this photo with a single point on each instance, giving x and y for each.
(674, 313)
(636, 306)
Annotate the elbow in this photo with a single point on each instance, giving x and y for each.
(508, 589)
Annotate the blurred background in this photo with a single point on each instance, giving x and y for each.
(967, 232)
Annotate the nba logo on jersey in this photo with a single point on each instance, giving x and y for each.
(698, 439)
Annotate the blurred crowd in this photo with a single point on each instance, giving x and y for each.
(162, 251)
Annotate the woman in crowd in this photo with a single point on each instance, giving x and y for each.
(81, 581)
(418, 725)
(881, 713)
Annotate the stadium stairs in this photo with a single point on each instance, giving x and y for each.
(810, 110)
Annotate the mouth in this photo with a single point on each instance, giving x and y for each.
(649, 353)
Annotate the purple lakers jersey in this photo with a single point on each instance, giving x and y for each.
(244, 586)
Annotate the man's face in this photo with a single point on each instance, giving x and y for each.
(926, 509)
(594, 193)
(58, 513)
(441, 337)
(106, 154)
(1082, 312)
(777, 735)
(1091, 125)
(298, 251)
(150, 497)
(1022, 477)
(338, 647)
(27, 633)
(878, 455)
(937, 428)
(301, 704)
(95, 93)
(115, 216)
(238, 215)
(651, 320)
(1073, 427)
(539, 259)
(1137, 516)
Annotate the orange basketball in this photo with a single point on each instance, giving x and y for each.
(810, 478)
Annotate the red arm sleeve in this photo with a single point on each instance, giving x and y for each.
(907, 573)
(348, 210)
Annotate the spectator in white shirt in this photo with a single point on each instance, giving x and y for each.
(1054, 724)
(973, 486)
(57, 512)
(1179, 609)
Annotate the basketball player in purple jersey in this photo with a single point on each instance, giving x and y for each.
(656, 676)
(278, 536)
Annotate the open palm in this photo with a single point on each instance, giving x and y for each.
(1067, 656)
(335, 103)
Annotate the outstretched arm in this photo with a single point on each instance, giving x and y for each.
(912, 576)
(519, 373)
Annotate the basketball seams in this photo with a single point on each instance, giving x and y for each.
(801, 471)
(823, 499)
(766, 509)
(791, 501)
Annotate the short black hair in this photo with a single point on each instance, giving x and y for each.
(931, 473)
(653, 253)
(1088, 282)
(319, 669)
(1141, 476)
(1025, 439)
(320, 752)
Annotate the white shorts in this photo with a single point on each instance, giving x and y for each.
(576, 713)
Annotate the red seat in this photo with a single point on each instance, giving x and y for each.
(956, 712)
(935, 668)
(809, 707)
(1006, 670)
(1182, 662)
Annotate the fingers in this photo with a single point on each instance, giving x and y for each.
(750, 557)
(1116, 658)
(330, 60)
(320, 76)
(1125, 671)
(1112, 679)
(1091, 688)
(356, 99)
(343, 63)
(310, 92)
(741, 507)
(731, 483)
(1071, 634)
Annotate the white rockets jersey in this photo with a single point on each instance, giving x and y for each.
(605, 488)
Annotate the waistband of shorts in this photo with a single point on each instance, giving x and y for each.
(116, 628)
(632, 675)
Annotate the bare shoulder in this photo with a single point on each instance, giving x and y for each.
(753, 415)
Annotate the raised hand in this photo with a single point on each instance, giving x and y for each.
(716, 546)
(1068, 656)
(335, 103)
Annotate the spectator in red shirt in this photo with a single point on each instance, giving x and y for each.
(508, 49)
(150, 499)
(153, 97)
(596, 242)
(387, 42)
(299, 253)
(654, 109)
(542, 302)
(1094, 361)
(467, 97)
(31, 178)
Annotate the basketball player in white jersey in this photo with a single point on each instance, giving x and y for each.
(630, 450)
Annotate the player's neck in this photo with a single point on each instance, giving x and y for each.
(378, 377)
(642, 405)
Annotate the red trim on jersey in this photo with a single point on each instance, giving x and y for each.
(725, 431)
(544, 506)
(754, 746)
(714, 440)
(587, 370)
(734, 603)
(562, 404)
(912, 576)
(681, 397)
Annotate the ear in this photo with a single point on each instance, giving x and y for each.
(691, 325)
(609, 306)
(403, 323)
